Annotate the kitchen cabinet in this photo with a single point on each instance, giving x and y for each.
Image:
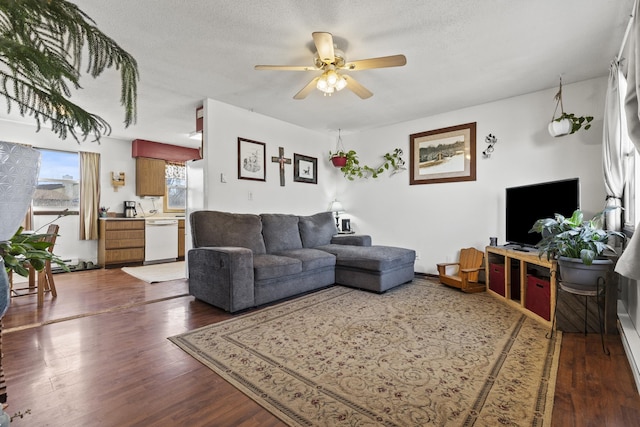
(121, 242)
(150, 179)
(181, 237)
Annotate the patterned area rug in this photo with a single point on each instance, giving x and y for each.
(420, 354)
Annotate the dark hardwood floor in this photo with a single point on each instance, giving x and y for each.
(99, 355)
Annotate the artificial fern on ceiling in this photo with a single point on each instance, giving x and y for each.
(42, 43)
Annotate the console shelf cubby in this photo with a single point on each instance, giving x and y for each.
(510, 273)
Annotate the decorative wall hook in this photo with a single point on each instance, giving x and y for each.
(491, 140)
(117, 180)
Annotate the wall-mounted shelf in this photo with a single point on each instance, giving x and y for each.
(117, 180)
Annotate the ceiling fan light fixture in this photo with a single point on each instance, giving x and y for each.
(330, 81)
(329, 59)
(322, 84)
(332, 78)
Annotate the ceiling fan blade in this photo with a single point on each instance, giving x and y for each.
(357, 88)
(324, 46)
(307, 89)
(286, 67)
(382, 62)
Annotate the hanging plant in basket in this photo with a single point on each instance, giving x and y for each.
(393, 162)
(349, 164)
(338, 159)
(566, 123)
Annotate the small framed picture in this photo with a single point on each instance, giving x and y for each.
(252, 162)
(305, 169)
(443, 155)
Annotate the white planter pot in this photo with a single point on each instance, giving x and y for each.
(579, 278)
(561, 128)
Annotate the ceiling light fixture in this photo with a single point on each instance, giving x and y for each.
(331, 81)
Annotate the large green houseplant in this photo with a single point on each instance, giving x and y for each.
(42, 44)
(579, 245)
(26, 250)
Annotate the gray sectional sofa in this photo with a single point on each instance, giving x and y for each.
(239, 261)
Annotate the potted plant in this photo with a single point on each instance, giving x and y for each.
(578, 245)
(42, 45)
(27, 249)
(566, 123)
(569, 123)
(339, 158)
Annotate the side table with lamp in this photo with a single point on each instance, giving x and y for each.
(337, 208)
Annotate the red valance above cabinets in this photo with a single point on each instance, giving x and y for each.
(158, 150)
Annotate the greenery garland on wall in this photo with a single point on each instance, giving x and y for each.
(393, 161)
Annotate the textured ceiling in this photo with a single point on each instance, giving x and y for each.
(459, 53)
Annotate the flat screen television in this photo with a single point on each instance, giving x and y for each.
(528, 203)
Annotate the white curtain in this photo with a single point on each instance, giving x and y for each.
(616, 145)
(629, 263)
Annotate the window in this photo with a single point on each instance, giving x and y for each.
(630, 202)
(58, 183)
(175, 195)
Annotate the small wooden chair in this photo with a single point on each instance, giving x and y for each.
(466, 276)
(45, 281)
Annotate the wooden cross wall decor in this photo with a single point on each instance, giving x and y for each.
(281, 159)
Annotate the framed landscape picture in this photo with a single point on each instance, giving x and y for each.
(252, 162)
(443, 155)
(305, 169)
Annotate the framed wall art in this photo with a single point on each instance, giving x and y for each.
(443, 155)
(252, 162)
(305, 169)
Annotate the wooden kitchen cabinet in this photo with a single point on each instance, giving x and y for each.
(150, 179)
(121, 242)
(181, 237)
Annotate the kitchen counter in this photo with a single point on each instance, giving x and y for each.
(123, 241)
(119, 218)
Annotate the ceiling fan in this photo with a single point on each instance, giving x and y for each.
(331, 60)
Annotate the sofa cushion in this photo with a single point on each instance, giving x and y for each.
(312, 259)
(268, 266)
(318, 229)
(280, 232)
(373, 258)
(214, 228)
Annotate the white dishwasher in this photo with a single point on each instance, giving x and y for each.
(160, 240)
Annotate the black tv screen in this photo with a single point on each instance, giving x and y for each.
(528, 203)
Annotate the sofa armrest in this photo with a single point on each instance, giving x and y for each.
(222, 277)
(352, 239)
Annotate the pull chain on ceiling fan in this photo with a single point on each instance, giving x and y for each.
(331, 61)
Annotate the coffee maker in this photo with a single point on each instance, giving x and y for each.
(130, 209)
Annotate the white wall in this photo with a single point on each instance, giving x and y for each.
(223, 125)
(438, 219)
